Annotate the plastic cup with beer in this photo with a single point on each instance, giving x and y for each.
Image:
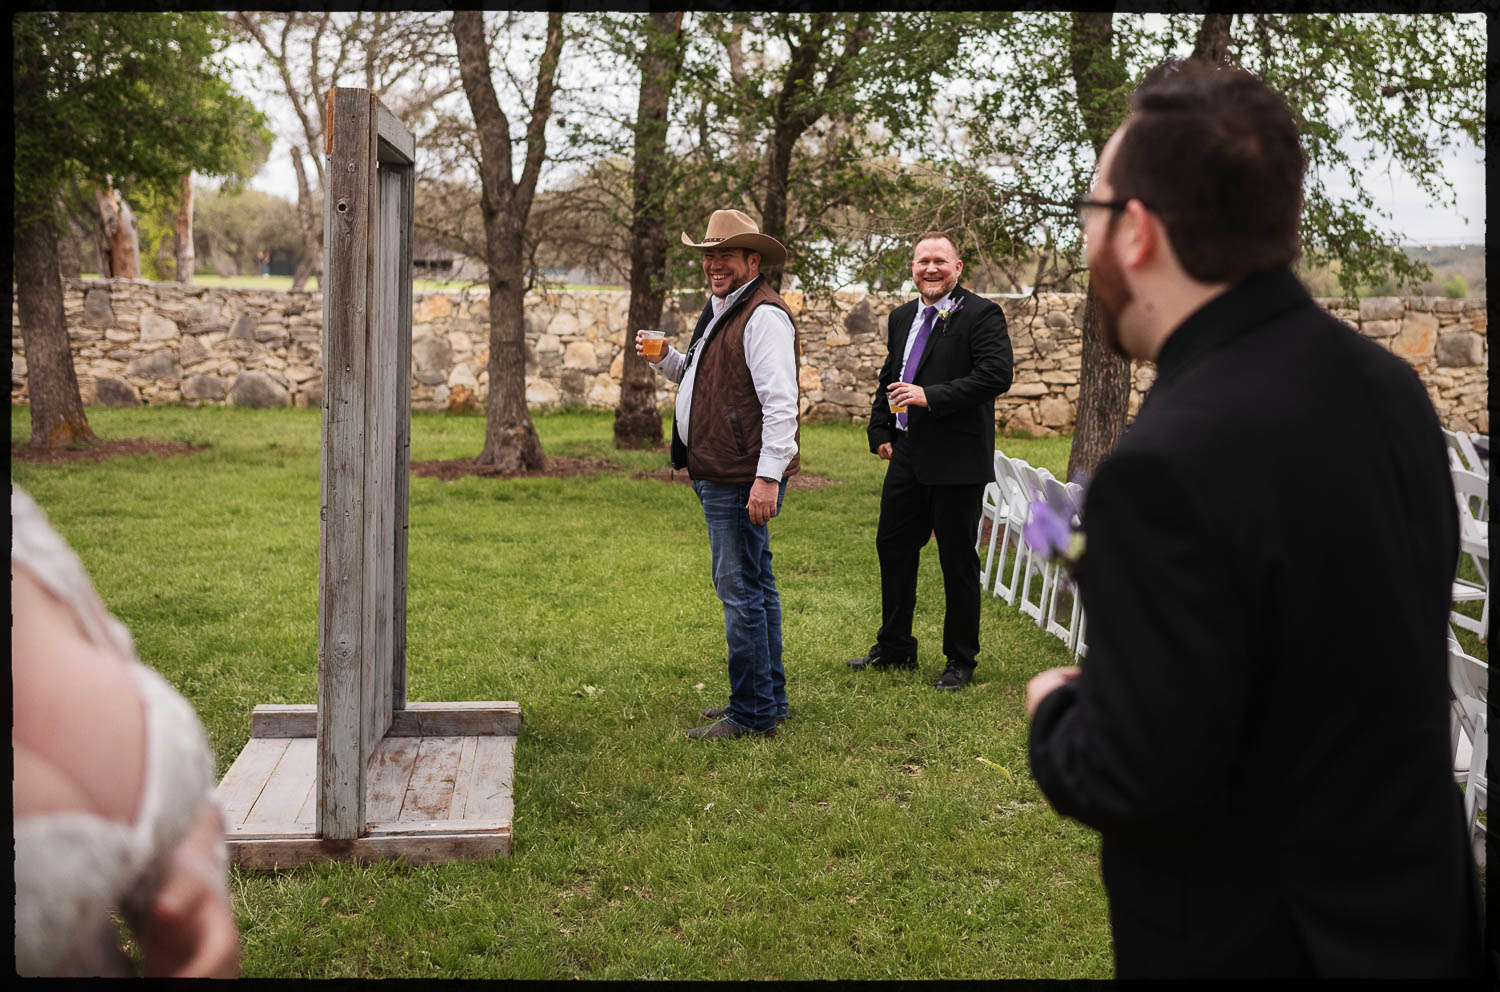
(652, 342)
(890, 397)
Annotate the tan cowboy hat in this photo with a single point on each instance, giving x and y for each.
(735, 229)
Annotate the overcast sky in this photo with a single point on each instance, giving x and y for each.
(1416, 217)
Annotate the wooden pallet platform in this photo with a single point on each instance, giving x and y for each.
(430, 799)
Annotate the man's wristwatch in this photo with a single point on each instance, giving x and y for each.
(774, 482)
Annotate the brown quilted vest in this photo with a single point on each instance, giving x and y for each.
(725, 420)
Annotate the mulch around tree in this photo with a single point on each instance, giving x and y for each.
(20, 451)
(558, 467)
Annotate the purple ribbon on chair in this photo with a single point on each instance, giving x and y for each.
(909, 373)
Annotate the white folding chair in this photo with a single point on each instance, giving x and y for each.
(1000, 526)
(1462, 454)
(1472, 493)
(1469, 678)
(994, 508)
(1079, 647)
(1018, 511)
(1031, 483)
(1059, 495)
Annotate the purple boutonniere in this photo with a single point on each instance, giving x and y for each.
(947, 312)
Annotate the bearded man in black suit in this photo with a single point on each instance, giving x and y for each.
(934, 419)
(1259, 730)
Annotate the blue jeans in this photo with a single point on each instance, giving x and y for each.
(752, 606)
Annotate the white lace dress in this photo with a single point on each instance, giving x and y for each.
(72, 869)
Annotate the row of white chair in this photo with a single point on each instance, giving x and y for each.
(1469, 679)
(1007, 507)
(1463, 451)
(1472, 492)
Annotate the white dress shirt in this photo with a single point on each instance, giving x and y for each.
(911, 335)
(772, 360)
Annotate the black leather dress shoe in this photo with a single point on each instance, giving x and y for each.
(877, 661)
(955, 676)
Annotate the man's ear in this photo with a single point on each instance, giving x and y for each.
(1138, 236)
(752, 259)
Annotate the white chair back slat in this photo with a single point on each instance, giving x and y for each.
(1469, 679)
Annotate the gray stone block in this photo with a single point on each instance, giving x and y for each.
(157, 365)
(430, 353)
(192, 351)
(258, 391)
(115, 392)
(1459, 348)
(98, 313)
(244, 325)
(1380, 328)
(205, 317)
(861, 321)
(155, 327)
(1381, 308)
(203, 387)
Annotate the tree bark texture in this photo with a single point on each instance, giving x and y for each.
(119, 241)
(637, 421)
(510, 439)
(57, 418)
(183, 236)
(309, 217)
(69, 255)
(1104, 379)
(1212, 44)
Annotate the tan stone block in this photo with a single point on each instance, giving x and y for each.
(809, 378)
(1059, 377)
(434, 307)
(1417, 337)
(617, 367)
(1027, 390)
(579, 355)
(1055, 412)
(1380, 328)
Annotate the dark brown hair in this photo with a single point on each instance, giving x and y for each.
(935, 236)
(1214, 152)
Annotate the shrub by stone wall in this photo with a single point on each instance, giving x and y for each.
(141, 342)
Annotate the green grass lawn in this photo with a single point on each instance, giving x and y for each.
(867, 840)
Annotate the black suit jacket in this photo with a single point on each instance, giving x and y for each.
(965, 365)
(1260, 732)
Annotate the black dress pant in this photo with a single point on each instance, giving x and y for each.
(909, 513)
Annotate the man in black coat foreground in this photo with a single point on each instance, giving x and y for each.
(1260, 729)
(933, 418)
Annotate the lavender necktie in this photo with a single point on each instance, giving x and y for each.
(909, 374)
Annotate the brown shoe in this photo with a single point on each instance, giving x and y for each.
(719, 712)
(724, 729)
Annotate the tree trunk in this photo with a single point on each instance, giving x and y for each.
(510, 439)
(637, 421)
(1104, 380)
(57, 418)
(183, 238)
(309, 216)
(120, 250)
(1212, 44)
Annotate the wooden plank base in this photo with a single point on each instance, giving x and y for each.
(416, 720)
(432, 799)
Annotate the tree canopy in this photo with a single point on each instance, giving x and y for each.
(140, 99)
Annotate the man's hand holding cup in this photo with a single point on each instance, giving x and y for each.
(651, 345)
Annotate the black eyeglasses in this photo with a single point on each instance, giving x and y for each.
(1082, 203)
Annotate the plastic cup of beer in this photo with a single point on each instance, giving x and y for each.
(896, 405)
(652, 343)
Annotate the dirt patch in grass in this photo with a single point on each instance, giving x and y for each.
(557, 468)
(23, 452)
(802, 480)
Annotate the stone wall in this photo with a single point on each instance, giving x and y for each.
(140, 342)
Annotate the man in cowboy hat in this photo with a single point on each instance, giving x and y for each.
(950, 356)
(735, 431)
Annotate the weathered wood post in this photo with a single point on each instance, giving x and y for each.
(363, 774)
(366, 425)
